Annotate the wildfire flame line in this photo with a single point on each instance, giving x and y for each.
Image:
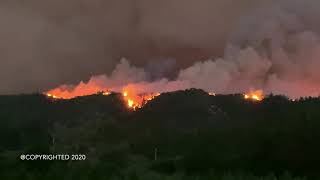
(132, 100)
(136, 101)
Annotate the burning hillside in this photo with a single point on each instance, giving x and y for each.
(134, 101)
(129, 94)
(188, 89)
(234, 77)
(254, 95)
(132, 84)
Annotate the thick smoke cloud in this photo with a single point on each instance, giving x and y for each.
(269, 45)
(45, 43)
(273, 48)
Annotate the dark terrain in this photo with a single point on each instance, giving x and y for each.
(180, 135)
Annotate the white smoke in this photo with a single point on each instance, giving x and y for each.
(275, 48)
(272, 49)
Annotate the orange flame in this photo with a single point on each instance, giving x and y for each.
(58, 94)
(70, 92)
(135, 101)
(254, 95)
(52, 96)
(107, 93)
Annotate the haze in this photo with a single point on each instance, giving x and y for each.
(266, 44)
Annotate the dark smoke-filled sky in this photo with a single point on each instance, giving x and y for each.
(220, 45)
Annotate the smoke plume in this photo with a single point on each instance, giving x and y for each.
(220, 46)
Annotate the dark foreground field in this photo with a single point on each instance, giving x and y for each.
(181, 135)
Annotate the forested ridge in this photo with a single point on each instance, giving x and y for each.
(179, 135)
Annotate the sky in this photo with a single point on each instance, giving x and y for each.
(46, 43)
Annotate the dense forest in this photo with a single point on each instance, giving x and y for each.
(179, 135)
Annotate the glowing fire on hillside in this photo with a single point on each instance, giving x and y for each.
(256, 95)
(134, 95)
(52, 96)
(134, 101)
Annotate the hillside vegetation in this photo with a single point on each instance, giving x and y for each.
(179, 135)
